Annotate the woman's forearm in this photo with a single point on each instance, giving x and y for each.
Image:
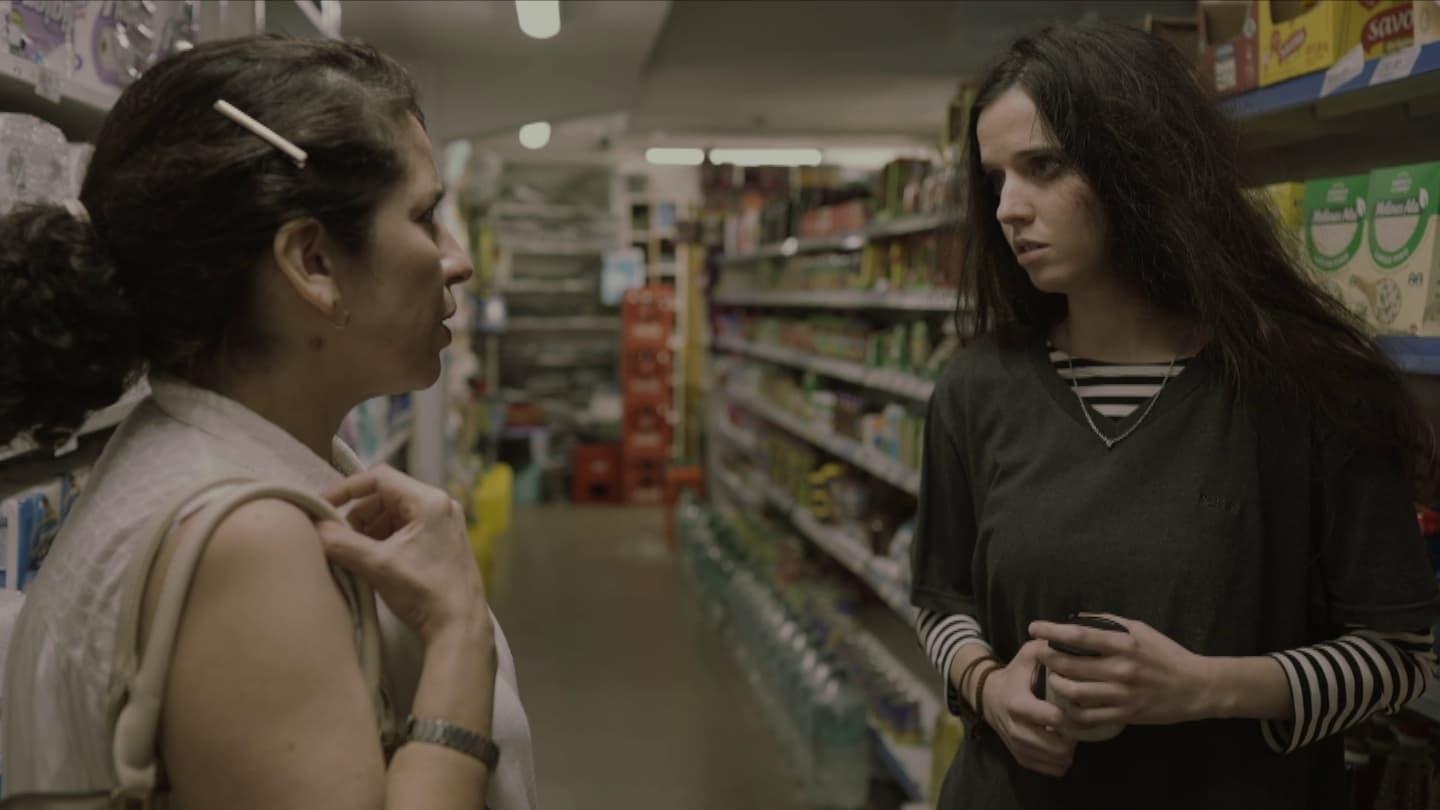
(457, 686)
(1250, 688)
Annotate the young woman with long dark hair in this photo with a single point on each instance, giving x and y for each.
(1162, 423)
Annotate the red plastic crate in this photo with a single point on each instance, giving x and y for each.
(644, 481)
(596, 473)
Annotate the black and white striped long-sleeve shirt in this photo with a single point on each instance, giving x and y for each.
(1334, 685)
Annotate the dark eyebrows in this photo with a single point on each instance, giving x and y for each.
(1029, 155)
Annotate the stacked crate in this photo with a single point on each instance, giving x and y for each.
(648, 324)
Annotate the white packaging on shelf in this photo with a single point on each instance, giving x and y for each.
(33, 161)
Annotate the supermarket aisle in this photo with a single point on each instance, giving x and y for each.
(631, 705)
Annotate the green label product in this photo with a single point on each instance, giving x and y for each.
(1401, 278)
(1334, 235)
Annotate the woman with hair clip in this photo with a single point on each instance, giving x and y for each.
(1167, 549)
(256, 232)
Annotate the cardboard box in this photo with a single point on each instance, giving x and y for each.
(1182, 32)
(1334, 235)
(1288, 200)
(1304, 36)
(1298, 37)
(1379, 26)
(1400, 277)
(1427, 22)
(1229, 32)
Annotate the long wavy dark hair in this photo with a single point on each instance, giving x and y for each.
(1134, 120)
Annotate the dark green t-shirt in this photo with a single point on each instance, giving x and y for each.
(1235, 528)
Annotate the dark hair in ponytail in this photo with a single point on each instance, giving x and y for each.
(184, 203)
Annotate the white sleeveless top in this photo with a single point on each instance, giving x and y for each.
(54, 726)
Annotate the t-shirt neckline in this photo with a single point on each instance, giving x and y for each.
(1196, 371)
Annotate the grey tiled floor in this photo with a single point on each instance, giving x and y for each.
(633, 702)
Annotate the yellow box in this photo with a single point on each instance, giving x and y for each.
(1382, 26)
(1427, 22)
(1288, 200)
(1298, 37)
(1304, 36)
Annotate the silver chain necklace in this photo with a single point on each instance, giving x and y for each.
(1085, 406)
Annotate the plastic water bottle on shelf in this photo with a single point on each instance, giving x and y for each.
(842, 753)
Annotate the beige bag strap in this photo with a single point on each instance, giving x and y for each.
(138, 679)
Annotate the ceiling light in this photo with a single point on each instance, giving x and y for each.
(862, 158)
(674, 156)
(539, 18)
(536, 135)
(766, 157)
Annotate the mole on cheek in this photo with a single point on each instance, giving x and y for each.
(316, 343)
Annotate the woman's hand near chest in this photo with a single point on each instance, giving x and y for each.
(1027, 725)
(1143, 677)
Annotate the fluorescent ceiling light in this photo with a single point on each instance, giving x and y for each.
(862, 158)
(539, 18)
(536, 135)
(672, 156)
(766, 157)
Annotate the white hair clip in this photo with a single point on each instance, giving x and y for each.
(76, 209)
(263, 132)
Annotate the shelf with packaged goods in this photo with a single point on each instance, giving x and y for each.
(887, 469)
(919, 301)
(909, 762)
(397, 441)
(880, 379)
(527, 247)
(737, 438)
(1300, 105)
(570, 323)
(1414, 355)
(849, 242)
(101, 420)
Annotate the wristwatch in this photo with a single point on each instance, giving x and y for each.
(439, 732)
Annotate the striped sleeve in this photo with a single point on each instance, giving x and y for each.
(1338, 684)
(942, 636)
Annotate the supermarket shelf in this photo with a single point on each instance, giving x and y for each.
(923, 301)
(850, 553)
(1416, 355)
(563, 324)
(391, 447)
(103, 419)
(1352, 96)
(551, 210)
(910, 764)
(528, 248)
(737, 438)
(747, 496)
(880, 379)
(881, 466)
(533, 287)
(21, 75)
(903, 226)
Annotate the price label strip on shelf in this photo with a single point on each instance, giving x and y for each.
(1396, 66)
(1344, 71)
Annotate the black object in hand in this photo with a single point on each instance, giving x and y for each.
(1083, 620)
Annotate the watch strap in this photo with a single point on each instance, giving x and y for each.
(456, 738)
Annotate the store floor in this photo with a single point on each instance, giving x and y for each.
(634, 702)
